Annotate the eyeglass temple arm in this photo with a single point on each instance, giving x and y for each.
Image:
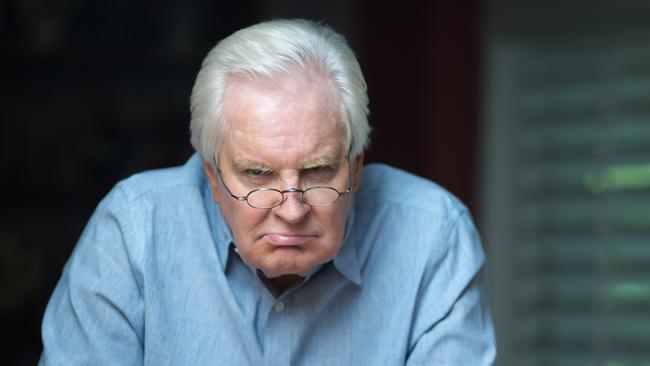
(238, 198)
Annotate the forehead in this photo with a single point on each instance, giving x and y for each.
(290, 118)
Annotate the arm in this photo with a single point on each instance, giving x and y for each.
(464, 334)
(95, 315)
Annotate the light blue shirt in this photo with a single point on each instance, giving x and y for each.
(155, 280)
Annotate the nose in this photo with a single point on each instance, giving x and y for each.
(292, 210)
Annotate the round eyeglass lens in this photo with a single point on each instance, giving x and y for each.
(320, 196)
(264, 198)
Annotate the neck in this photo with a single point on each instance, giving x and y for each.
(282, 283)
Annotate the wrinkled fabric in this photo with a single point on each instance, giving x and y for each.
(155, 280)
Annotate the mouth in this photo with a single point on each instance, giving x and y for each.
(287, 240)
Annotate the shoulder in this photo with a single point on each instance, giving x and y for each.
(145, 205)
(172, 181)
(159, 194)
(396, 207)
(413, 226)
(385, 185)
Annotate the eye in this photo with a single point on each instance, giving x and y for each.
(256, 173)
(319, 173)
(318, 169)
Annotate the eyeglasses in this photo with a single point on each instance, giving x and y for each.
(266, 198)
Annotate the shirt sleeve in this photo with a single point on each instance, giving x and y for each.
(95, 315)
(464, 334)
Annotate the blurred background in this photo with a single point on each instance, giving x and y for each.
(535, 113)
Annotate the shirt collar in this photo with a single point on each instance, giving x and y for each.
(345, 261)
(220, 231)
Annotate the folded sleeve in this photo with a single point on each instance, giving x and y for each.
(456, 281)
(95, 315)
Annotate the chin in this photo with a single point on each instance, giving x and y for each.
(277, 272)
(289, 266)
(286, 269)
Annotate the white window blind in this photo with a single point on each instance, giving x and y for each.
(566, 193)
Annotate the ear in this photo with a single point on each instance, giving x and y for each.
(357, 172)
(211, 174)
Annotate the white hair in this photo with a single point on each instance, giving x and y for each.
(267, 49)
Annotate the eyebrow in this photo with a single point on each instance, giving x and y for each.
(325, 160)
(242, 164)
(247, 164)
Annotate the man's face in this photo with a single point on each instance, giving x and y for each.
(284, 134)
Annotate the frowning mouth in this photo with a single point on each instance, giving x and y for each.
(287, 239)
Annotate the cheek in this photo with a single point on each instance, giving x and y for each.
(343, 211)
(334, 224)
(245, 219)
(241, 218)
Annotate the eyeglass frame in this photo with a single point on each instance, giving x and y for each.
(290, 190)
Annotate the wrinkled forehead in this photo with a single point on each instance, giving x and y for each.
(308, 94)
(287, 114)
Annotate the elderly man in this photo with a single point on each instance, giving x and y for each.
(267, 247)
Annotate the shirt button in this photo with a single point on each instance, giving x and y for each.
(279, 307)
